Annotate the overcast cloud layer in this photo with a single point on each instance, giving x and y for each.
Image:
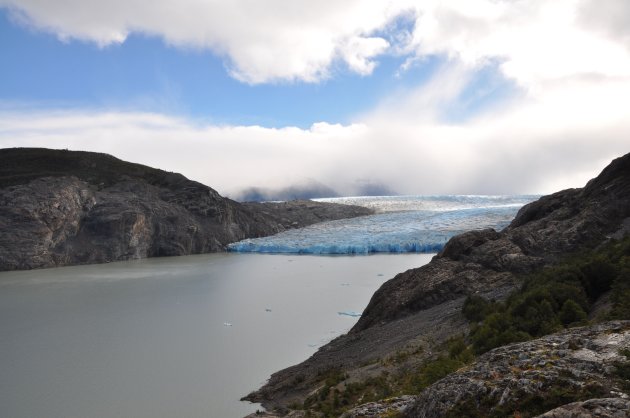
(569, 61)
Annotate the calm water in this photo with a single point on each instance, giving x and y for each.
(172, 337)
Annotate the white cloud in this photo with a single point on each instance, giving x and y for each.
(225, 157)
(539, 145)
(611, 17)
(263, 41)
(569, 58)
(535, 41)
(275, 40)
(528, 145)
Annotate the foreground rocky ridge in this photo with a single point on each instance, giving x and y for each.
(66, 207)
(418, 310)
(576, 364)
(579, 363)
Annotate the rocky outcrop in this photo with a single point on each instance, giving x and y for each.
(422, 307)
(535, 376)
(599, 408)
(386, 407)
(63, 207)
(484, 261)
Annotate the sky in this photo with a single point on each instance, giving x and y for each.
(408, 97)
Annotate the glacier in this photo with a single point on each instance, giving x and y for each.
(401, 224)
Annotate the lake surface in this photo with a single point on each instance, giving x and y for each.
(172, 337)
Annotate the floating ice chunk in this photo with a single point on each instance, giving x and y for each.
(349, 313)
(313, 345)
(227, 324)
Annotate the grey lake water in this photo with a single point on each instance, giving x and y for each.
(172, 337)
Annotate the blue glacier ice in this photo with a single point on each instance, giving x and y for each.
(402, 224)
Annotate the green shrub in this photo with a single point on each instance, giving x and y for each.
(571, 313)
(477, 308)
(554, 298)
(620, 295)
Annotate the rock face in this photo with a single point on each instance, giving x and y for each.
(61, 208)
(600, 408)
(379, 409)
(576, 364)
(421, 307)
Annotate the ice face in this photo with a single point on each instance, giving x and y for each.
(403, 225)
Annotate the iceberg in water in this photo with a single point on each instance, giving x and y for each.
(407, 224)
(349, 313)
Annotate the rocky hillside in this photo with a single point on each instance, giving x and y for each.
(533, 377)
(62, 207)
(412, 317)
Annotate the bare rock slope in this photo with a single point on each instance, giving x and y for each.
(65, 207)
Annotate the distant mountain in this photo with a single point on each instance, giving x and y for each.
(369, 188)
(60, 207)
(310, 190)
(306, 190)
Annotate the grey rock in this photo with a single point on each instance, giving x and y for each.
(379, 409)
(61, 208)
(602, 408)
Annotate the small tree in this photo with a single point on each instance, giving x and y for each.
(571, 312)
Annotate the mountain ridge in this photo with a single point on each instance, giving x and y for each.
(60, 207)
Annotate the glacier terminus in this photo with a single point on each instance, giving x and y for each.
(401, 224)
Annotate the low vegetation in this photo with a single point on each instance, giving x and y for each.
(622, 369)
(554, 298)
(338, 395)
(21, 165)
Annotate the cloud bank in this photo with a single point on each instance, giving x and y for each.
(567, 60)
(274, 40)
(262, 41)
(526, 146)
